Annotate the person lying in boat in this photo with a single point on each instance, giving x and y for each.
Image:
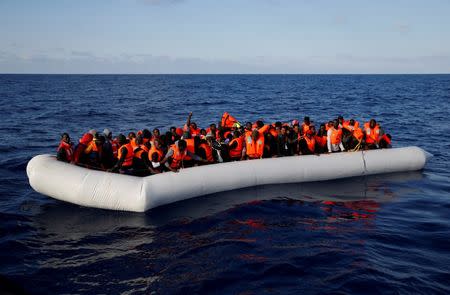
(65, 149)
(177, 155)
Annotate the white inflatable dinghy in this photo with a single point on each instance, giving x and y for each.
(105, 190)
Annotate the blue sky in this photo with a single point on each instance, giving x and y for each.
(225, 36)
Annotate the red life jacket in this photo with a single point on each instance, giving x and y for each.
(115, 147)
(67, 149)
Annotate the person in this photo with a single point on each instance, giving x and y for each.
(125, 156)
(146, 136)
(177, 153)
(356, 135)
(155, 155)
(79, 156)
(205, 150)
(65, 151)
(372, 134)
(305, 125)
(334, 138)
(282, 143)
(132, 139)
(385, 141)
(294, 137)
(141, 163)
(236, 146)
(156, 134)
(254, 145)
(321, 139)
(307, 143)
(108, 158)
(191, 126)
(94, 151)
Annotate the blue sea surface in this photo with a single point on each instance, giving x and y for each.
(386, 234)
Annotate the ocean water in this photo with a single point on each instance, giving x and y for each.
(385, 234)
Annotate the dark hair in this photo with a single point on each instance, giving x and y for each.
(146, 133)
(182, 144)
(121, 139)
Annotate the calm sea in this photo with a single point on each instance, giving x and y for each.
(386, 234)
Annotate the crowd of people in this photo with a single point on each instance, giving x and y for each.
(144, 152)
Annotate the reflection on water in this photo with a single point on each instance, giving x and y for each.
(252, 233)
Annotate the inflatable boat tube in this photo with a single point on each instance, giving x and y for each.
(100, 189)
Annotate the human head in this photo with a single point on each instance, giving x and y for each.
(372, 123)
(340, 119)
(259, 124)
(248, 126)
(336, 124)
(65, 137)
(139, 140)
(306, 120)
(352, 122)
(212, 127)
(194, 125)
(146, 134)
(182, 145)
(156, 132)
(295, 122)
(312, 130)
(157, 143)
(131, 135)
(236, 134)
(121, 139)
(203, 132)
(173, 130)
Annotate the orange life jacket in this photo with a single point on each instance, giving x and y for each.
(372, 134)
(92, 147)
(346, 124)
(321, 140)
(358, 133)
(273, 132)
(128, 161)
(153, 150)
(177, 157)
(228, 120)
(336, 136)
(305, 128)
(311, 143)
(139, 150)
(237, 151)
(67, 149)
(254, 149)
(133, 143)
(208, 152)
(190, 146)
